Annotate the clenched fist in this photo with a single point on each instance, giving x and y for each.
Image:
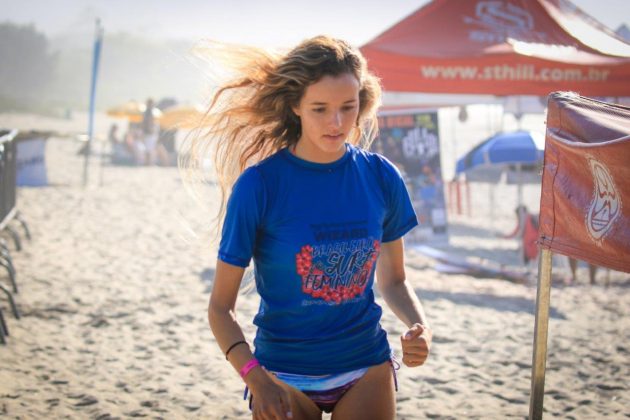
(416, 344)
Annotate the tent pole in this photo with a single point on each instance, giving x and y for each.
(454, 128)
(489, 115)
(102, 163)
(540, 336)
(468, 206)
(491, 199)
(519, 112)
(458, 193)
(519, 187)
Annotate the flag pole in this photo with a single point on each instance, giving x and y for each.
(543, 298)
(98, 40)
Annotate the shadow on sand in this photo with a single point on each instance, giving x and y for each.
(484, 300)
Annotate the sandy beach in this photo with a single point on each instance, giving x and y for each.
(115, 283)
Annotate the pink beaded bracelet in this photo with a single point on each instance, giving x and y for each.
(247, 367)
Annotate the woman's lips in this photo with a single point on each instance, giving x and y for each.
(333, 136)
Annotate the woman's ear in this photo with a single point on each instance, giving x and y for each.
(296, 111)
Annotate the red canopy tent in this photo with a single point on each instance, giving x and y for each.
(501, 47)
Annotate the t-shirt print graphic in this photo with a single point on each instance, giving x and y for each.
(337, 272)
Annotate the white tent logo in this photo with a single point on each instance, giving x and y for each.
(498, 15)
(606, 203)
(501, 20)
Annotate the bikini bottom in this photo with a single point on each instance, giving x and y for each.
(325, 390)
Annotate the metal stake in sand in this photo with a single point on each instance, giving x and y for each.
(98, 40)
(540, 335)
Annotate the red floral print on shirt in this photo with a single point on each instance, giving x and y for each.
(335, 276)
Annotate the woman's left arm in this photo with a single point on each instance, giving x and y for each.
(400, 297)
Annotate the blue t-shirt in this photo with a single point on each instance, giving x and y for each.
(314, 231)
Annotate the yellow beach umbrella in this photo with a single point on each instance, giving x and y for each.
(182, 116)
(133, 111)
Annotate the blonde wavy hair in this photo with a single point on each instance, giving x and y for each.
(250, 115)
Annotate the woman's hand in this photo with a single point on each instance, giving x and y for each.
(416, 344)
(270, 401)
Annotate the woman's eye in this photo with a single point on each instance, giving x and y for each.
(348, 108)
(319, 110)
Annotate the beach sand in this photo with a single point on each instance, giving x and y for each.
(114, 288)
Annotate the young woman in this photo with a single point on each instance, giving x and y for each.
(319, 216)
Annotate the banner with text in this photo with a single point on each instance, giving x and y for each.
(411, 141)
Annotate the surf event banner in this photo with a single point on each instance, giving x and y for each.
(411, 142)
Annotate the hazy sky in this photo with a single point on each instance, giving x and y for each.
(259, 22)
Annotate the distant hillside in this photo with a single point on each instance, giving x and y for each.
(27, 61)
(56, 74)
(130, 68)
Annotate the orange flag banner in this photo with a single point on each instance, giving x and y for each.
(585, 200)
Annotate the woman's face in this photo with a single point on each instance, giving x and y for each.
(328, 111)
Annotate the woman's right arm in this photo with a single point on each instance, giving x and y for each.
(271, 400)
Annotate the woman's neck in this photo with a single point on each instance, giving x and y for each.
(316, 155)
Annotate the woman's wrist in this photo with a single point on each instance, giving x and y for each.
(247, 367)
(257, 378)
(426, 328)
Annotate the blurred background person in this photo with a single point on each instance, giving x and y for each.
(121, 153)
(150, 133)
(592, 271)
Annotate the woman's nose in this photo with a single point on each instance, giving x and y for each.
(336, 119)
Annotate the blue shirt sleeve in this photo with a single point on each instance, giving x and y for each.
(400, 216)
(242, 219)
